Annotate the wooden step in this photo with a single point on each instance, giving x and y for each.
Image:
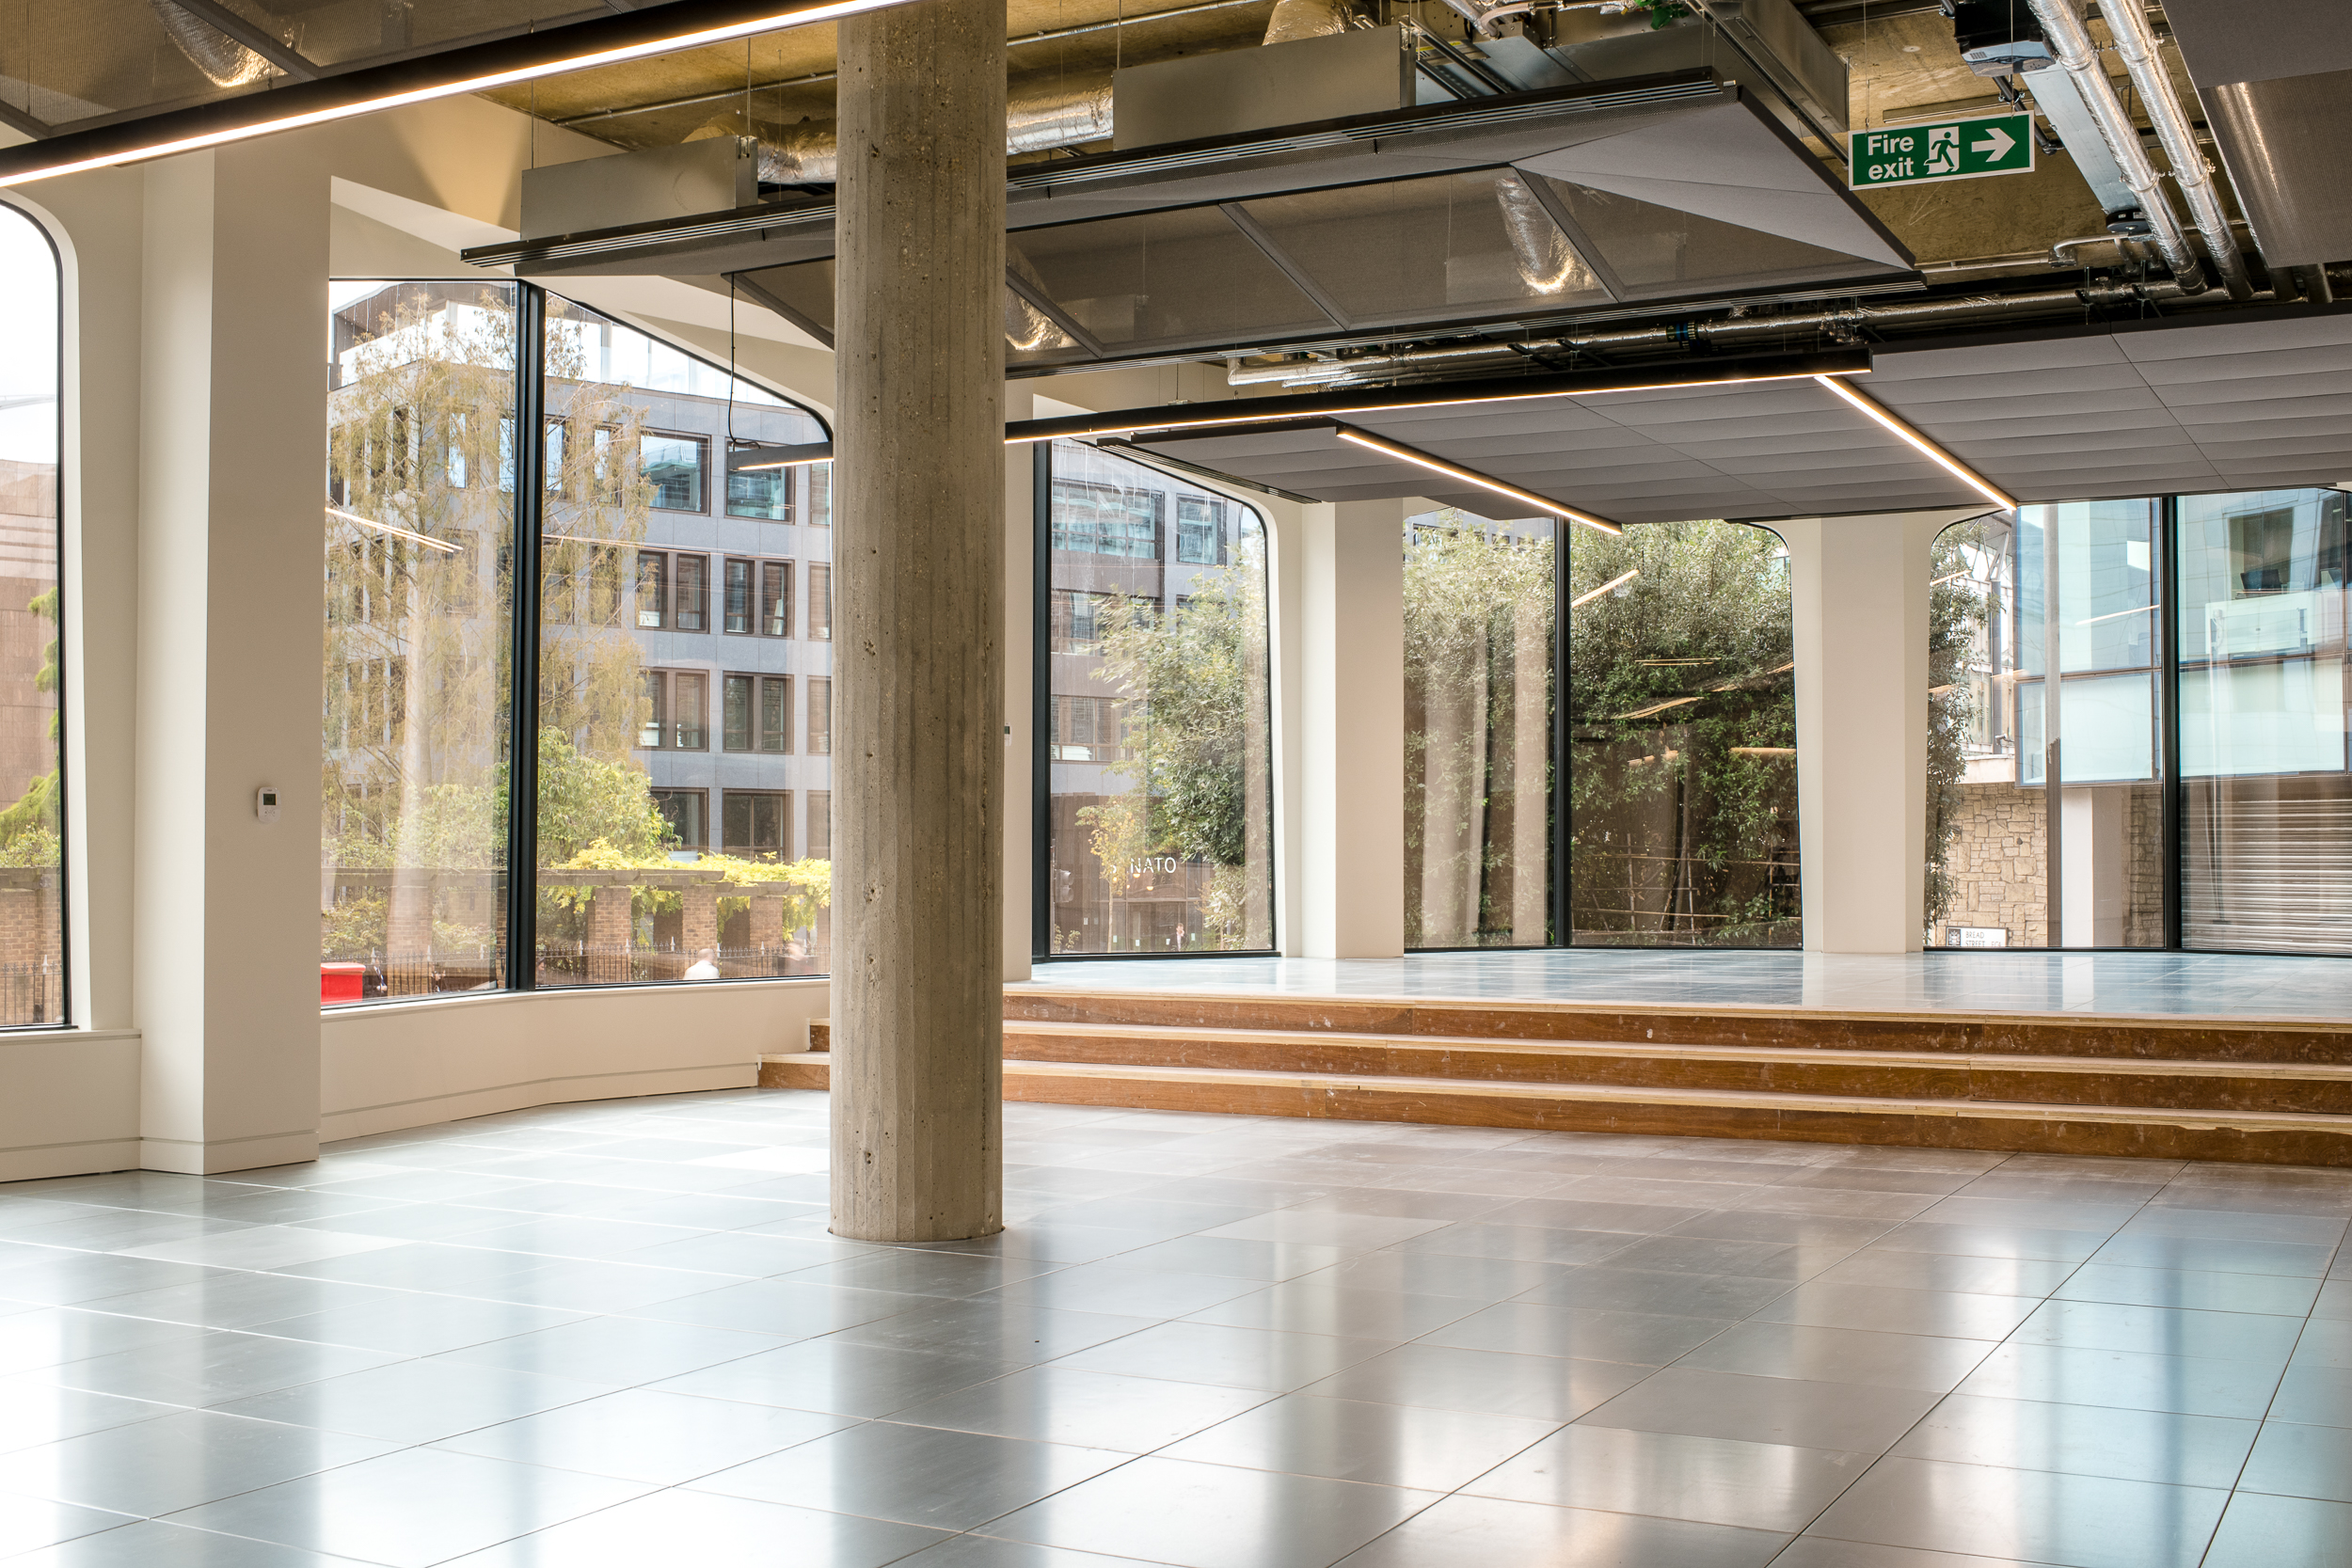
(2225, 1085)
(2127, 1131)
(2319, 1043)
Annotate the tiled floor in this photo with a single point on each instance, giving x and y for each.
(2208, 984)
(618, 1333)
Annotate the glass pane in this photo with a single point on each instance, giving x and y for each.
(1682, 739)
(775, 713)
(764, 494)
(775, 598)
(1478, 655)
(1452, 245)
(418, 602)
(1158, 737)
(1658, 252)
(2267, 803)
(32, 736)
(633, 781)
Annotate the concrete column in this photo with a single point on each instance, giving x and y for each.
(1351, 715)
(1860, 590)
(919, 648)
(232, 437)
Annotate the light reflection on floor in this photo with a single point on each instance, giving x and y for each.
(619, 1333)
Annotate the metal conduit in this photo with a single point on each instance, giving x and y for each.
(1730, 330)
(2069, 39)
(2127, 20)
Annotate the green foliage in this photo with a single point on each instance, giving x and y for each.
(1663, 12)
(29, 828)
(1668, 672)
(37, 846)
(590, 806)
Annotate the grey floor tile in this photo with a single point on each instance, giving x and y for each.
(2263, 1531)
(644, 1434)
(1813, 1551)
(1904, 1269)
(1213, 1515)
(1386, 1445)
(2285, 1295)
(1534, 1329)
(704, 1528)
(1846, 1417)
(2129, 1380)
(785, 1308)
(2083, 1440)
(916, 1475)
(1715, 1481)
(838, 1377)
(1314, 1305)
(1607, 1288)
(2162, 1331)
(618, 1351)
(2320, 1396)
(2026, 1515)
(1271, 1360)
(414, 1402)
(906, 1271)
(210, 1366)
(1264, 1261)
(1314, 1227)
(982, 1551)
(1949, 1314)
(1767, 1349)
(411, 1324)
(1093, 1410)
(152, 1544)
(2300, 1460)
(28, 1524)
(177, 1461)
(1114, 1288)
(2217, 1255)
(1409, 1270)
(2325, 1343)
(1993, 1240)
(410, 1509)
(1551, 1388)
(1464, 1531)
(53, 1336)
(34, 1410)
(989, 1327)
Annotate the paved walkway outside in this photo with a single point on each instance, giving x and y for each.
(618, 1333)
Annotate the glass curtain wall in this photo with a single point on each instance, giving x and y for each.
(681, 826)
(1990, 704)
(32, 735)
(1682, 738)
(2266, 803)
(1156, 732)
(420, 598)
(1479, 635)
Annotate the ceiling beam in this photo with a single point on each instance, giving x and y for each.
(222, 20)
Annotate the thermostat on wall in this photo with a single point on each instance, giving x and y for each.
(265, 803)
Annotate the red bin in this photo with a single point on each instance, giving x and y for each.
(340, 982)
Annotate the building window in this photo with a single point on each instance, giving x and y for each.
(775, 598)
(737, 612)
(758, 824)
(734, 724)
(690, 699)
(821, 494)
(820, 825)
(655, 725)
(756, 711)
(673, 466)
(694, 594)
(1200, 531)
(653, 592)
(819, 716)
(819, 601)
(1085, 728)
(685, 813)
(764, 493)
(775, 713)
(1094, 517)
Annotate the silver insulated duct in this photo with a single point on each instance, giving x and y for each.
(809, 153)
(224, 61)
(1546, 263)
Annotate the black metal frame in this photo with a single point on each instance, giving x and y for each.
(522, 686)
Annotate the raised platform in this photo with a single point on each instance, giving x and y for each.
(2151, 1082)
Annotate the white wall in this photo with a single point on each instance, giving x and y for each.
(390, 1065)
(1351, 813)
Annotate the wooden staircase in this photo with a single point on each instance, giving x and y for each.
(2175, 1088)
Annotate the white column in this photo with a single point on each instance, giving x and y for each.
(1860, 590)
(2094, 884)
(232, 455)
(1351, 826)
(1020, 674)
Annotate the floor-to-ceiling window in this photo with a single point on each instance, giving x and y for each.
(2202, 797)
(1682, 738)
(32, 738)
(1480, 630)
(1155, 739)
(2266, 803)
(498, 456)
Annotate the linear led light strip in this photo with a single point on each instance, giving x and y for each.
(1207, 420)
(1610, 586)
(1544, 505)
(1919, 443)
(797, 16)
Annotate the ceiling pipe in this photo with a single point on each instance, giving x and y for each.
(1726, 332)
(1063, 114)
(2127, 22)
(2063, 29)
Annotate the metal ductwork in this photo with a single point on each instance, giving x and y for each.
(1726, 332)
(1547, 263)
(2069, 42)
(2127, 22)
(1305, 19)
(809, 153)
(224, 61)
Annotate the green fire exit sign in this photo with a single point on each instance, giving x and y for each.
(1940, 149)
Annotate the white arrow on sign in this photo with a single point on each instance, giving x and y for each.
(1997, 143)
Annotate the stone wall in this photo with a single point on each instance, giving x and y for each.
(1998, 864)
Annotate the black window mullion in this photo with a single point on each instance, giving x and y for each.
(1560, 579)
(2169, 710)
(522, 745)
(1040, 699)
